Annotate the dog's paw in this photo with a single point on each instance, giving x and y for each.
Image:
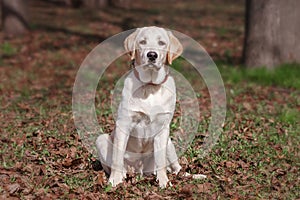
(176, 169)
(162, 179)
(162, 182)
(115, 178)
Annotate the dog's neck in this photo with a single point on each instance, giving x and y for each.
(137, 75)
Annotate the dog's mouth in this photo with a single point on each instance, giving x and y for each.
(151, 66)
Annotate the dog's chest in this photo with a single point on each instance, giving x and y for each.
(152, 100)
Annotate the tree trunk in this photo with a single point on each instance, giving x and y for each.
(14, 17)
(121, 3)
(73, 3)
(94, 4)
(272, 32)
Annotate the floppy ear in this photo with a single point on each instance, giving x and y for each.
(129, 44)
(175, 48)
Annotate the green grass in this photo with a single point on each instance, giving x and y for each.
(7, 49)
(286, 75)
(263, 135)
(291, 116)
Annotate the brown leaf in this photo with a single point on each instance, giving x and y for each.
(186, 191)
(247, 106)
(24, 106)
(101, 178)
(73, 152)
(230, 164)
(243, 164)
(63, 185)
(13, 188)
(154, 196)
(280, 172)
(67, 162)
(204, 188)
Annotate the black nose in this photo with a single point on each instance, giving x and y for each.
(152, 55)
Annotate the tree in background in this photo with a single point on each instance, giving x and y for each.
(73, 3)
(14, 17)
(272, 34)
(94, 4)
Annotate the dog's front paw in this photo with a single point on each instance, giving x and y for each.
(115, 178)
(162, 179)
(176, 168)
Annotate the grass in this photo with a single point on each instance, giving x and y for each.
(258, 156)
(290, 116)
(286, 75)
(255, 157)
(7, 49)
(264, 141)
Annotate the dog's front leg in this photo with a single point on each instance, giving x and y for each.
(119, 147)
(160, 153)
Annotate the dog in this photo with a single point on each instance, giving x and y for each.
(140, 140)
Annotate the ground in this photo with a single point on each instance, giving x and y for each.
(42, 156)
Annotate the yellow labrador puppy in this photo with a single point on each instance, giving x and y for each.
(141, 139)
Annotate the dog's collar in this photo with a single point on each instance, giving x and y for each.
(136, 74)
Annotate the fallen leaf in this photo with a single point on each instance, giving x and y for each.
(101, 179)
(67, 162)
(13, 188)
(204, 188)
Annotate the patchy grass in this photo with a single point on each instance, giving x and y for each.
(286, 75)
(7, 49)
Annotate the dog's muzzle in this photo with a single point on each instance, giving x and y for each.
(151, 66)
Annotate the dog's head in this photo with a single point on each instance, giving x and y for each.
(153, 45)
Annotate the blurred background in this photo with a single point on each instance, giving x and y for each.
(255, 33)
(255, 44)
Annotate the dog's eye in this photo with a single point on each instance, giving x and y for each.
(143, 42)
(161, 43)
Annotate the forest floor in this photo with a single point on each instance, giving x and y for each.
(42, 156)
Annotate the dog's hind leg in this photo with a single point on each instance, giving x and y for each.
(104, 148)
